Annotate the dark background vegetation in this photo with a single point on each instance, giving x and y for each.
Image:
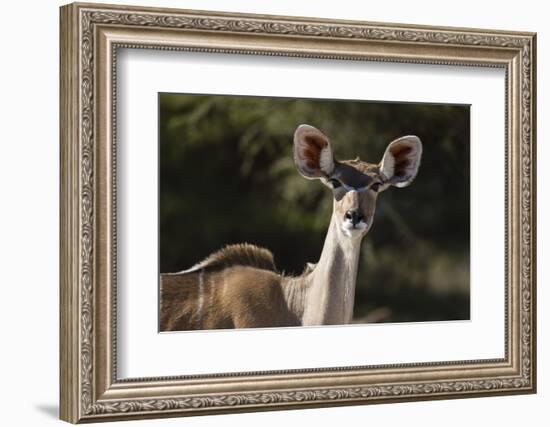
(227, 176)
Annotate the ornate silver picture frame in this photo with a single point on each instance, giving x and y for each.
(91, 37)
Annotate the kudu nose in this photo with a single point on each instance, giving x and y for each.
(354, 216)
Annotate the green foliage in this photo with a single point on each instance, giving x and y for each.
(227, 176)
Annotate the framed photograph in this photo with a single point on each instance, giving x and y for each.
(266, 212)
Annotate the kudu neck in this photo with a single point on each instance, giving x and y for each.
(331, 285)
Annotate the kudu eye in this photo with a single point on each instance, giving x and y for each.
(335, 183)
(375, 187)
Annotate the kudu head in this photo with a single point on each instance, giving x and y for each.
(355, 184)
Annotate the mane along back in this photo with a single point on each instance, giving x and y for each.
(243, 254)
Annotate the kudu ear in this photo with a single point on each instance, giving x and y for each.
(312, 152)
(401, 161)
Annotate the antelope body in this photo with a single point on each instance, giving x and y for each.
(239, 286)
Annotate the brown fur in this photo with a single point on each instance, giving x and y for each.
(312, 150)
(240, 289)
(237, 297)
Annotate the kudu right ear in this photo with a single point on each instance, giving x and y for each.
(401, 160)
(312, 153)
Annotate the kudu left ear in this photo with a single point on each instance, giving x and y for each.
(401, 161)
(312, 153)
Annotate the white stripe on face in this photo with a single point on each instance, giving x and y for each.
(358, 190)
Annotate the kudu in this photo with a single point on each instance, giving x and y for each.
(239, 286)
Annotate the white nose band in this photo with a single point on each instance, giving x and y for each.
(350, 188)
